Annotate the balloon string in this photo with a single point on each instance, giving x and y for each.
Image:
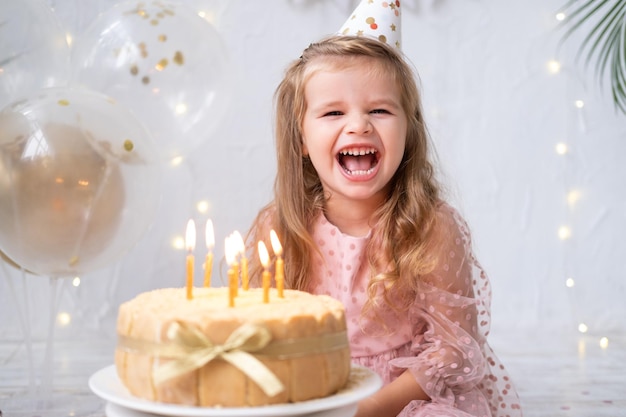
(27, 330)
(48, 368)
(24, 320)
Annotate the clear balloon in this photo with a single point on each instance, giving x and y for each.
(8, 260)
(79, 181)
(165, 63)
(34, 53)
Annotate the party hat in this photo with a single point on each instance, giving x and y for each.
(377, 18)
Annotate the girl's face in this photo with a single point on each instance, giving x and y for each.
(354, 129)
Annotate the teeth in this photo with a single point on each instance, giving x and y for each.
(360, 171)
(358, 151)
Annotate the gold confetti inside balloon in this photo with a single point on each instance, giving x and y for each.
(34, 52)
(165, 63)
(79, 181)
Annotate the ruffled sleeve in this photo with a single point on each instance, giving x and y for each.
(450, 319)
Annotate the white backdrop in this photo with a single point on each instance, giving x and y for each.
(496, 113)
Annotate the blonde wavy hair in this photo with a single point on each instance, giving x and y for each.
(402, 226)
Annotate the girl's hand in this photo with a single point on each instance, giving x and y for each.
(392, 398)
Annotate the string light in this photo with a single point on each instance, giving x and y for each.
(181, 108)
(564, 232)
(604, 342)
(561, 148)
(573, 197)
(64, 318)
(178, 243)
(76, 281)
(554, 66)
(203, 206)
(176, 161)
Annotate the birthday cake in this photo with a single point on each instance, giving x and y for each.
(202, 352)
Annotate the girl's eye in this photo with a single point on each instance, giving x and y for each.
(379, 111)
(333, 113)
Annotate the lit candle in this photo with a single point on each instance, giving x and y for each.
(230, 254)
(190, 244)
(234, 244)
(265, 261)
(210, 242)
(241, 249)
(280, 265)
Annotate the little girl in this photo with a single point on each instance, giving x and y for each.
(361, 218)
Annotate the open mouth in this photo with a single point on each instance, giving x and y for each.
(358, 161)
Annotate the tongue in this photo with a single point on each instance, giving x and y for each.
(358, 163)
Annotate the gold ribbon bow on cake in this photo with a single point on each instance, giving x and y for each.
(190, 349)
(197, 350)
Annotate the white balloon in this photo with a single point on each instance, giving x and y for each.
(79, 181)
(165, 63)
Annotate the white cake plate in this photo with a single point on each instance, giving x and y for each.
(362, 383)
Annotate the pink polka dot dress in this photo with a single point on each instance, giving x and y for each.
(441, 339)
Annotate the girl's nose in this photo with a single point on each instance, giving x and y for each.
(359, 123)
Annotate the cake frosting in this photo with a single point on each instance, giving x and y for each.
(202, 352)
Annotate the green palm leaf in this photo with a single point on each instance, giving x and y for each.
(605, 43)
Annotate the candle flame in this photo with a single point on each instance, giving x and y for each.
(190, 236)
(278, 249)
(209, 235)
(229, 251)
(263, 255)
(240, 247)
